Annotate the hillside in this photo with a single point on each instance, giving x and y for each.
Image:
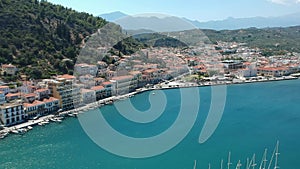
(271, 40)
(40, 38)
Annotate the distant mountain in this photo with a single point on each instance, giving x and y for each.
(154, 23)
(258, 22)
(229, 23)
(113, 16)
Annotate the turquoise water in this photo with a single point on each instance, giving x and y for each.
(255, 117)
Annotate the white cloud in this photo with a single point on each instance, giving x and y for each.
(285, 2)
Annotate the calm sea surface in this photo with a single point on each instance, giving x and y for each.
(255, 117)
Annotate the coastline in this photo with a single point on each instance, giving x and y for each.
(23, 127)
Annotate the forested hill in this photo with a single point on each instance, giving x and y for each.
(42, 38)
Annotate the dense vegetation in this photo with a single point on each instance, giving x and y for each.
(41, 38)
(272, 41)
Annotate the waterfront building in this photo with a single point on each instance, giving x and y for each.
(87, 96)
(250, 70)
(273, 71)
(100, 92)
(11, 114)
(123, 84)
(36, 108)
(66, 91)
(108, 87)
(51, 105)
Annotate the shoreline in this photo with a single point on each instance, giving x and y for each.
(26, 126)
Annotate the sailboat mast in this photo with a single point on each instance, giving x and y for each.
(195, 164)
(229, 163)
(276, 155)
(222, 164)
(264, 160)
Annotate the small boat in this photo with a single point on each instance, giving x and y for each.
(41, 124)
(52, 119)
(2, 135)
(71, 115)
(22, 130)
(58, 120)
(153, 93)
(44, 122)
(15, 131)
(29, 128)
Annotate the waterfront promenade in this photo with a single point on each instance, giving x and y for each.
(110, 100)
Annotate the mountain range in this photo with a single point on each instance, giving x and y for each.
(226, 24)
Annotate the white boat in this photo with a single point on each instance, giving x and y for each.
(15, 131)
(44, 122)
(58, 120)
(41, 124)
(29, 128)
(71, 115)
(52, 119)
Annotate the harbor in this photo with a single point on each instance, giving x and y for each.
(43, 120)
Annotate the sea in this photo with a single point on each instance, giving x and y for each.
(255, 117)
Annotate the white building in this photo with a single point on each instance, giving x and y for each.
(123, 84)
(83, 69)
(87, 95)
(250, 70)
(11, 114)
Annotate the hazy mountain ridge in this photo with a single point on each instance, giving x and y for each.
(232, 23)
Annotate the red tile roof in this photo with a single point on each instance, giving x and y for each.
(106, 83)
(4, 87)
(66, 76)
(97, 88)
(51, 99)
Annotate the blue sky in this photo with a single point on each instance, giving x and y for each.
(192, 9)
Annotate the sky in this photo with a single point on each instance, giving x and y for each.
(202, 10)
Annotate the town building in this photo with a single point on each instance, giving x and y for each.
(9, 69)
(123, 84)
(42, 94)
(87, 96)
(2, 98)
(83, 69)
(5, 89)
(11, 114)
(66, 91)
(51, 105)
(36, 108)
(100, 92)
(273, 71)
(13, 96)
